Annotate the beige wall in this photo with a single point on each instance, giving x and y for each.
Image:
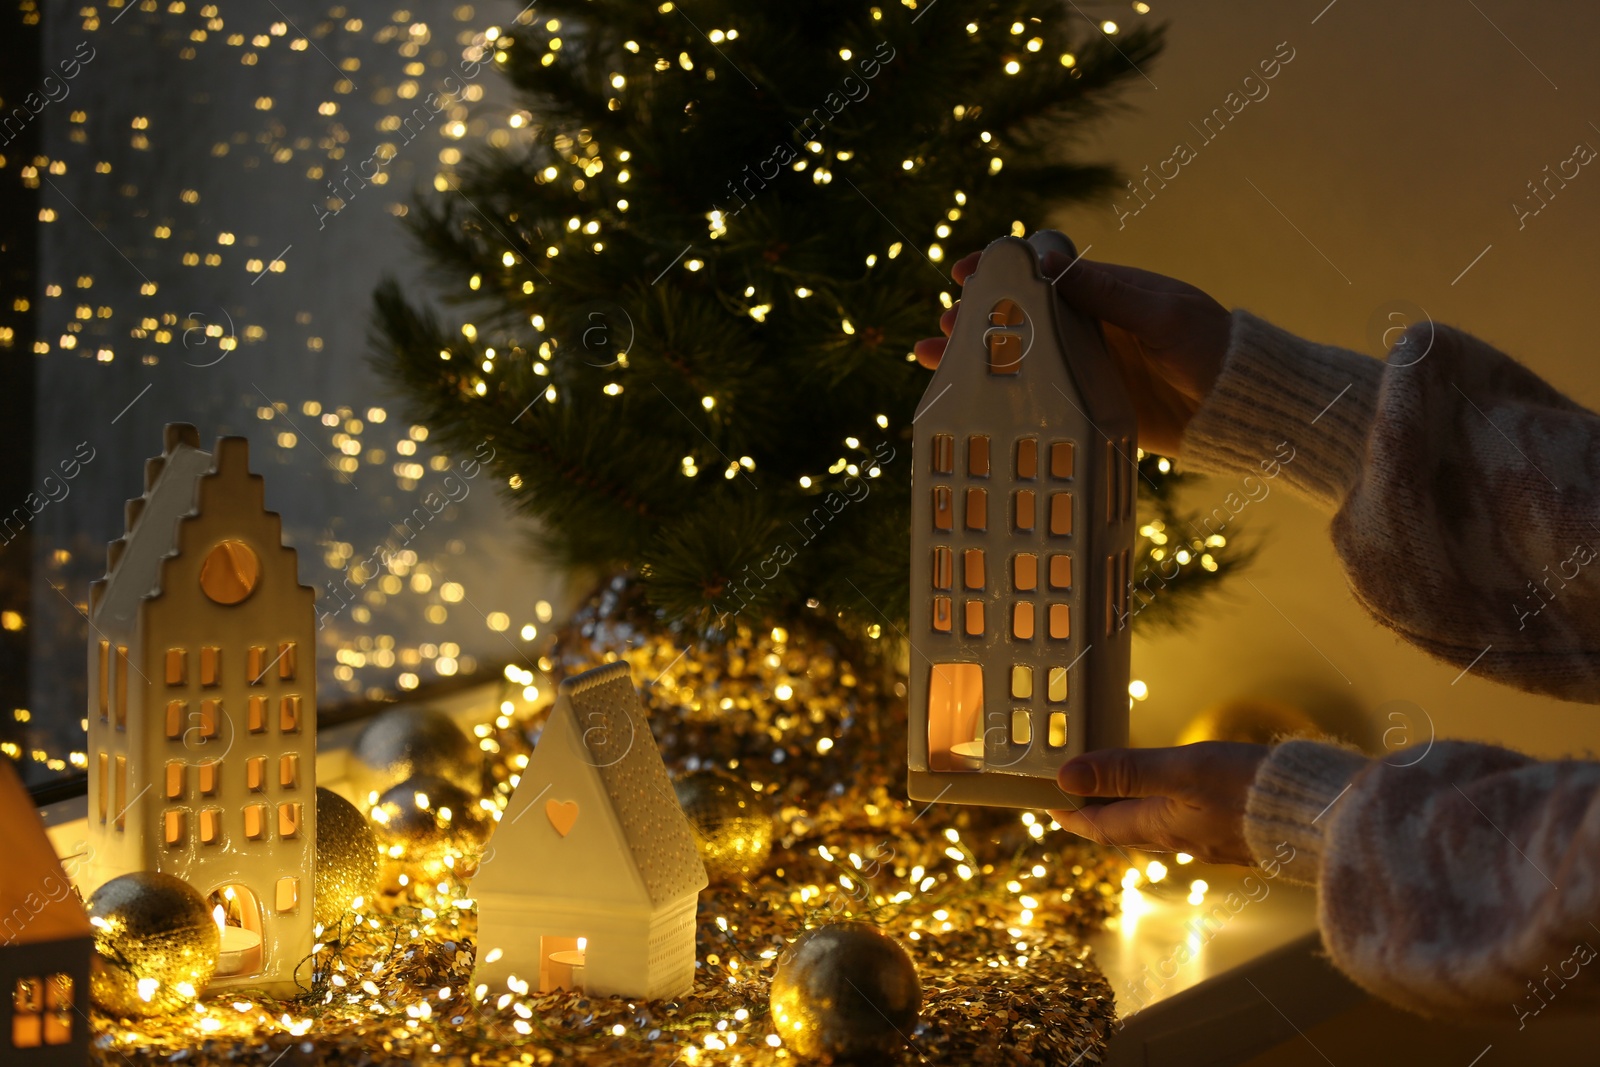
(1395, 141)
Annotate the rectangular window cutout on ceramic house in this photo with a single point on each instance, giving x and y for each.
(977, 509)
(175, 776)
(210, 665)
(944, 453)
(1025, 571)
(289, 714)
(943, 568)
(119, 799)
(289, 820)
(1027, 457)
(255, 821)
(210, 777)
(1021, 681)
(1022, 621)
(172, 828)
(41, 1012)
(955, 717)
(944, 514)
(1024, 510)
(105, 681)
(1058, 729)
(972, 621)
(941, 614)
(1062, 458)
(561, 963)
(1056, 688)
(1005, 352)
(1061, 571)
(1130, 472)
(104, 785)
(175, 713)
(121, 682)
(210, 826)
(255, 774)
(1110, 596)
(1060, 621)
(978, 455)
(288, 770)
(1021, 727)
(288, 893)
(255, 664)
(972, 568)
(286, 660)
(1060, 514)
(177, 666)
(258, 715)
(210, 712)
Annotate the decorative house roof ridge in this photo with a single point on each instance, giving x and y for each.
(624, 754)
(173, 495)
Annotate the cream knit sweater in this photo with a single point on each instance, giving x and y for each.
(1465, 495)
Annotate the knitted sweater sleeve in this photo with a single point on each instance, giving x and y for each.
(1465, 490)
(1465, 878)
(1464, 881)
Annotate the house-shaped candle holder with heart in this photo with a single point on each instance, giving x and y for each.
(591, 878)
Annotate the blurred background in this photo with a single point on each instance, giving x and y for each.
(182, 242)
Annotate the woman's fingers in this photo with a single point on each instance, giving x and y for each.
(1133, 772)
(963, 268)
(1141, 823)
(929, 351)
(1104, 294)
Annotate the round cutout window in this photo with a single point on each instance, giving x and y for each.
(230, 572)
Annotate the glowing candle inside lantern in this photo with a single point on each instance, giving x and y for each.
(573, 959)
(241, 949)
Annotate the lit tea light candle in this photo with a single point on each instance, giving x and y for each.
(573, 958)
(241, 949)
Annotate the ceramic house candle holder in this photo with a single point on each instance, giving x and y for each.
(45, 944)
(202, 707)
(1023, 523)
(593, 873)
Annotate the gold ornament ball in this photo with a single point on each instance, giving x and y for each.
(423, 819)
(731, 825)
(155, 945)
(1253, 719)
(845, 991)
(347, 857)
(406, 743)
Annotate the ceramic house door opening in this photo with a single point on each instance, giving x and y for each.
(561, 963)
(955, 717)
(237, 912)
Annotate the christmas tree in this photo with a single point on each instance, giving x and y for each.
(690, 277)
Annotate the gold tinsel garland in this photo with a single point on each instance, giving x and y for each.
(992, 905)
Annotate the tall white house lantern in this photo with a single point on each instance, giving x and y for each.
(202, 707)
(1023, 488)
(592, 876)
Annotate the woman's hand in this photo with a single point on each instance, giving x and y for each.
(1167, 337)
(1186, 799)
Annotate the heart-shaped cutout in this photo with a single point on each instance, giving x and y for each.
(562, 814)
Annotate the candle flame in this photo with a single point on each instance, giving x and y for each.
(583, 944)
(220, 916)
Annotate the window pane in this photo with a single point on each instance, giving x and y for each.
(1025, 571)
(1027, 458)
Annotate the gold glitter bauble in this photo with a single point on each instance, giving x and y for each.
(423, 819)
(413, 743)
(731, 823)
(1252, 719)
(844, 991)
(347, 857)
(155, 945)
